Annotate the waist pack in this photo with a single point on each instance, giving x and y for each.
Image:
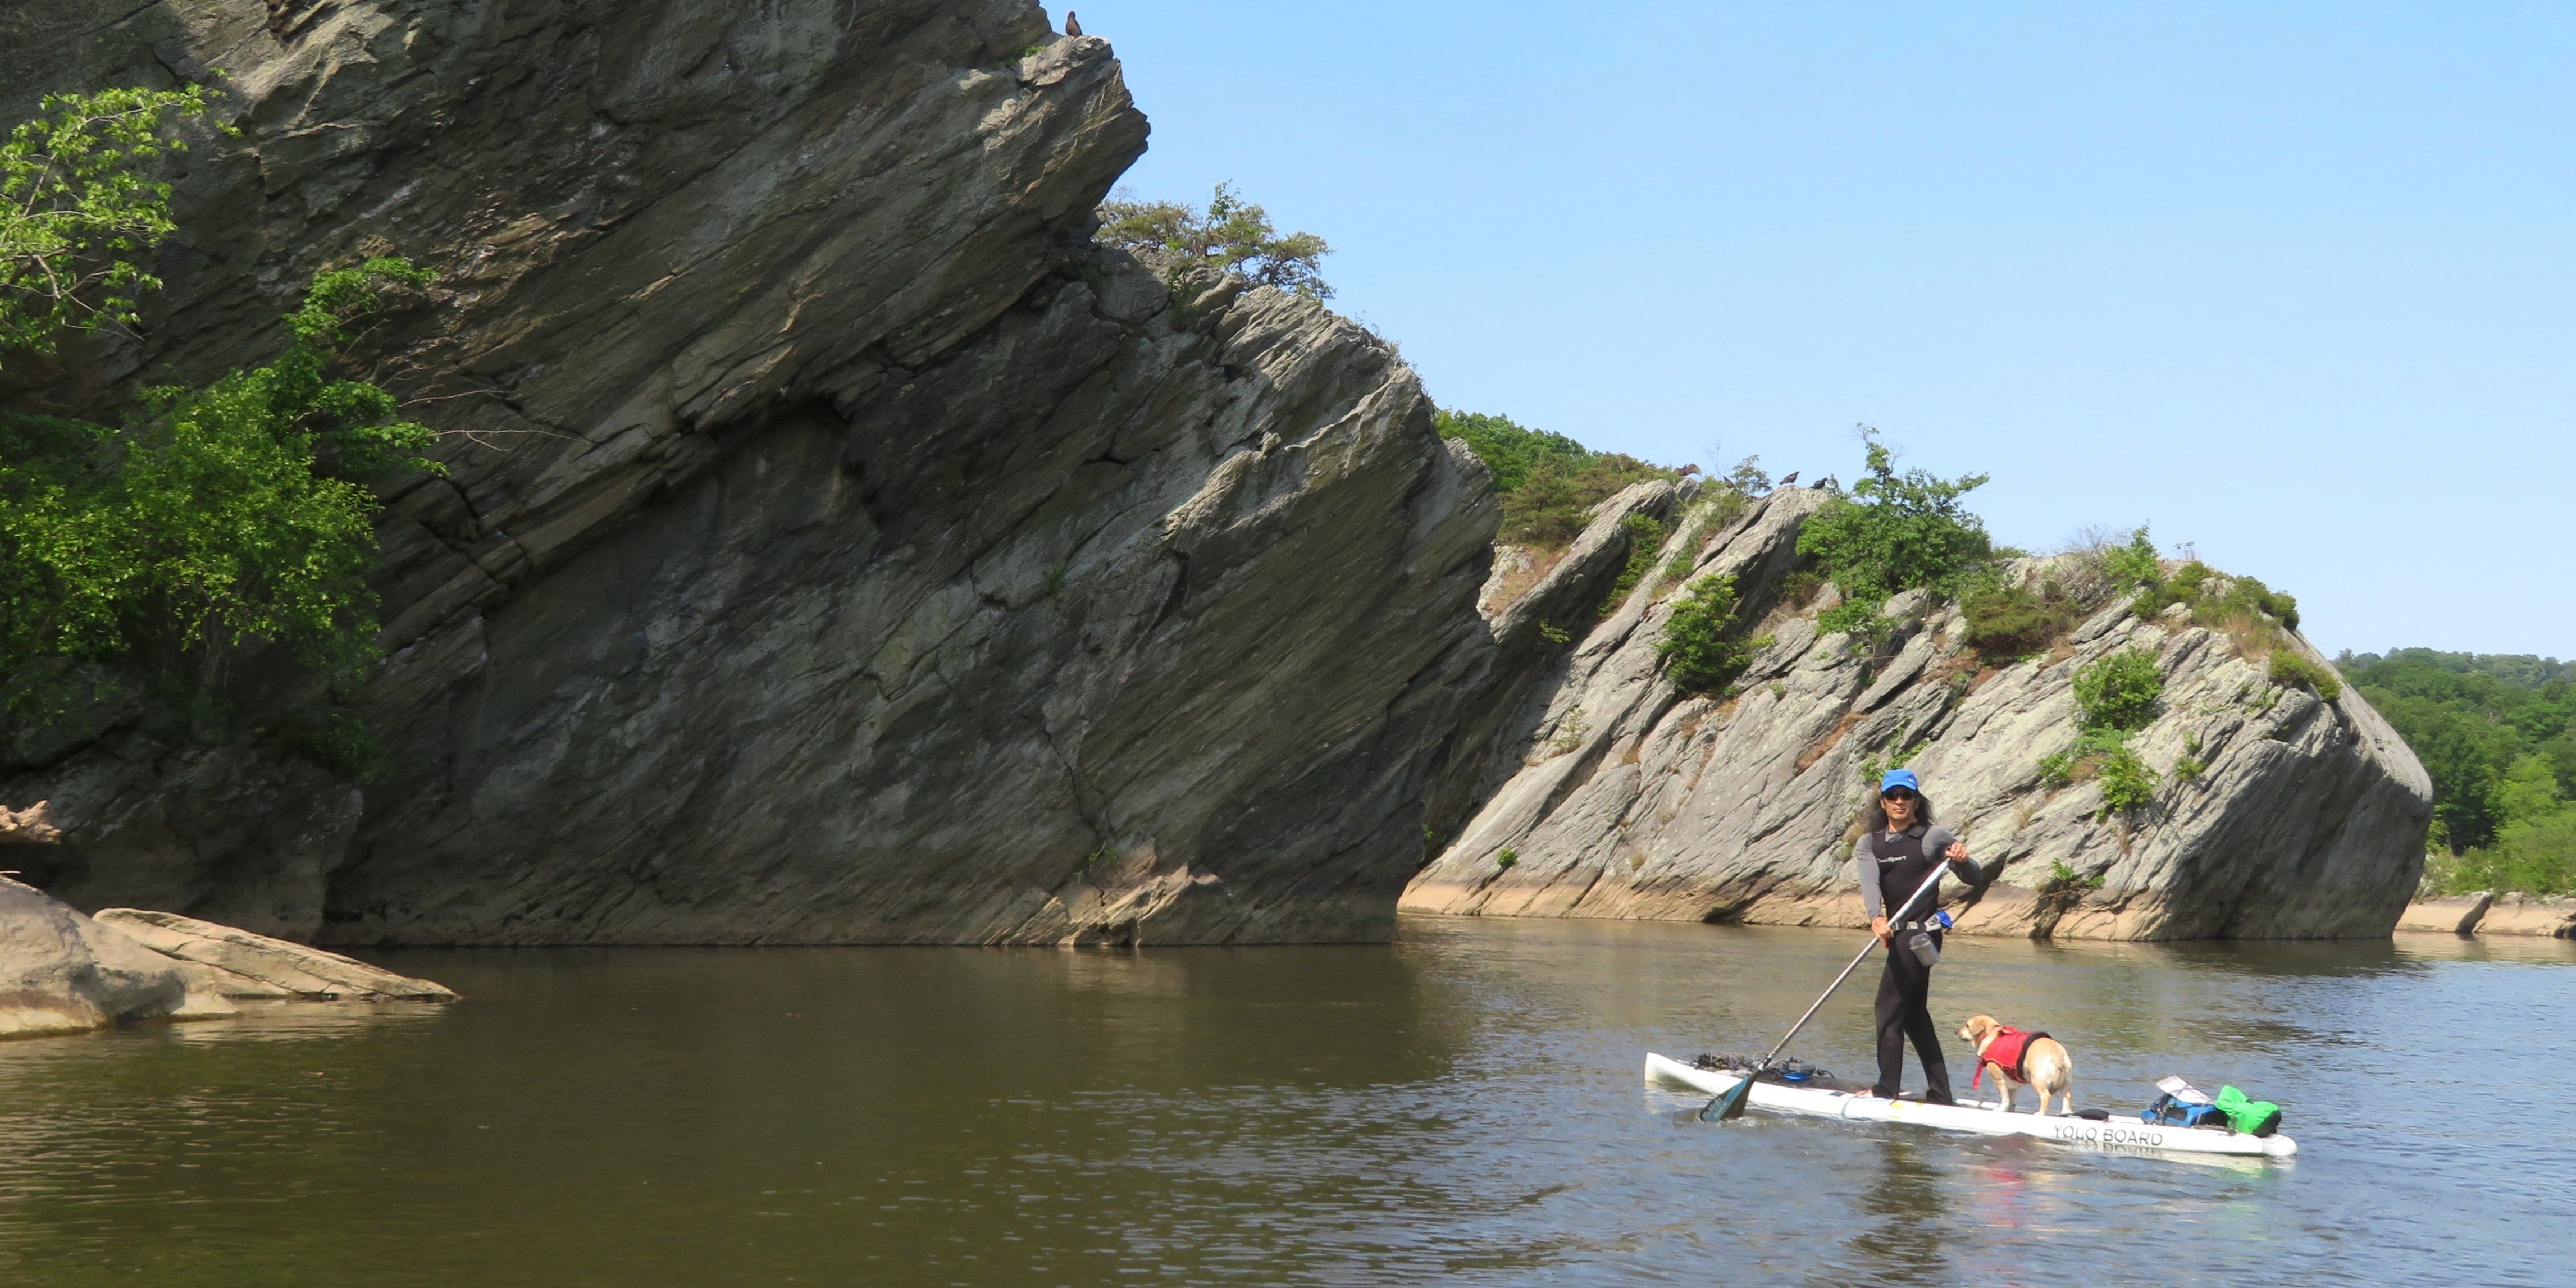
(2171, 1111)
(2252, 1117)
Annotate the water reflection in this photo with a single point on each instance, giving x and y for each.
(1904, 1212)
(1462, 1106)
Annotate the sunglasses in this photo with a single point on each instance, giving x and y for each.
(1899, 794)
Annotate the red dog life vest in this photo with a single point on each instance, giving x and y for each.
(2005, 1053)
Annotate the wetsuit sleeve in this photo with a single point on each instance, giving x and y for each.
(1937, 841)
(1871, 905)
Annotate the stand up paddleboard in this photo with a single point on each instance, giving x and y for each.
(1983, 1117)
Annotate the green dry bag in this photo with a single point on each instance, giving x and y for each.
(2252, 1117)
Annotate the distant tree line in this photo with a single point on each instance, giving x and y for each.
(2498, 736)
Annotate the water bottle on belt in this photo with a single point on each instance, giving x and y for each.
(1918, 940)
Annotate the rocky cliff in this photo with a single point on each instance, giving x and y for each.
(836, 547)
(2298, 817)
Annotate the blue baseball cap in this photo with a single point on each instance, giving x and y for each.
(1900, 778)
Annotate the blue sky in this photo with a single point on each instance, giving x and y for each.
(2289, 283)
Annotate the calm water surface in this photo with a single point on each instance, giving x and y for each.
(1463, 1106)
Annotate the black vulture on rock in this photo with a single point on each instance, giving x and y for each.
(1072, 25)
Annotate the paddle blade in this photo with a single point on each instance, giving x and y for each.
(1729, 1103)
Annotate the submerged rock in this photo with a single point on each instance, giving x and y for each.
(2280, 814)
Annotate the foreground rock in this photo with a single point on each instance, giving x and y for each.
(61, 972)
(2302, 818)
(238, 963)
(836, 547)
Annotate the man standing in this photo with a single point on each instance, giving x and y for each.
(1896, 855)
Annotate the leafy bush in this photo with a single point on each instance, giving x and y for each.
(1897, 532)
(229, 515)
(1856, 618)
(1552, 508)
(1509, 449)
(1702, 646)
(1548, 483)
(2084, 760)
(2119, 692)
(2233, 601)
(1706, 513)
(2128, 783)
(1232, 236)
(77, 216)
(2007, 623)
(1507, 858)
(2290, 669)
(2061, 878)
(2133, 565)
(1645, 539)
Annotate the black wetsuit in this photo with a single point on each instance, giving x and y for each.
(1905, 986)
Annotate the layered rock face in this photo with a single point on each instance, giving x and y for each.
(835, 548)
(2306, 819)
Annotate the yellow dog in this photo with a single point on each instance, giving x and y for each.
(2018, 1059)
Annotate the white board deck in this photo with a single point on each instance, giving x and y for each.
(1985, 1117)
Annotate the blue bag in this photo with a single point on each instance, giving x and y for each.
(2169, 1111)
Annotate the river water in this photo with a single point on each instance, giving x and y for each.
(1464, 1106)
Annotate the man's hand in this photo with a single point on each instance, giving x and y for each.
(1878, 927)
(1958, 850)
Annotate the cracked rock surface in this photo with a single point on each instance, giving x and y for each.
(836, 547)
(2306, 818)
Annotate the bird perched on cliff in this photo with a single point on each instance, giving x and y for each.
(1825, 484)
(1793, 477)
(1072, 25)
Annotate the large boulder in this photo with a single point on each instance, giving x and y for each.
(61, 972)
(2296, 817)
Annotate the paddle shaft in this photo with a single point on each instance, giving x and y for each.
(1745, 1088)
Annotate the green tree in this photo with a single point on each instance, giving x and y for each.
(78, 212)
(1896, 532)
(1231, 236)
(220, 518)
(2528, 791)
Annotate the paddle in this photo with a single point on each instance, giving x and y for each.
(1730, 1102)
